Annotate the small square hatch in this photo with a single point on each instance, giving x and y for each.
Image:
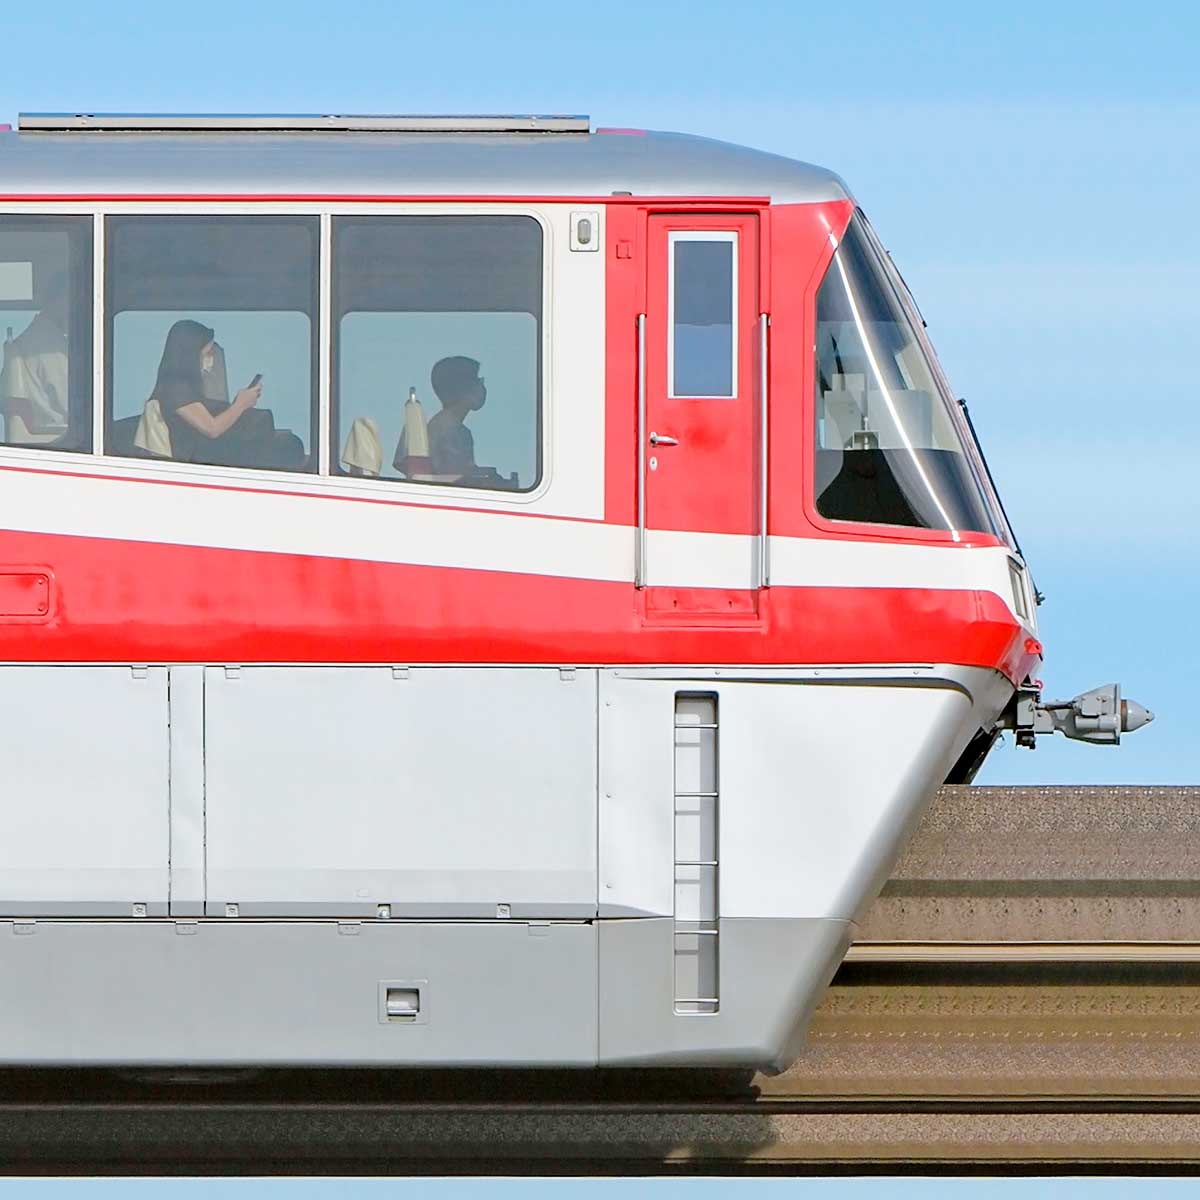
(403, 1002)
(25, 594)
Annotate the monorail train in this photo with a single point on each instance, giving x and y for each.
(473, 591)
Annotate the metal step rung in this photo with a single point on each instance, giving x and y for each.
(696, 964)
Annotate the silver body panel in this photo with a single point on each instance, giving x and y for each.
(506, 839)
(401, 164)
(86, 776)
(491, 993)
(439, 792)
(811, 821)
(187, 791)
(774, 973)
(296, 992)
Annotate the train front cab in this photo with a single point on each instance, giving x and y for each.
(811, 407)
(595, 761)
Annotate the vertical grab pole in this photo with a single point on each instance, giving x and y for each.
(98, 332)
(764, 562)
(639, 575)
(325, 325)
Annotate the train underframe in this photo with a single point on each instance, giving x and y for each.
(452, 866)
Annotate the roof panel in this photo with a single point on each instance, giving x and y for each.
(298, 122)
(400, 164)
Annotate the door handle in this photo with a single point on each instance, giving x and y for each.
(663, 439)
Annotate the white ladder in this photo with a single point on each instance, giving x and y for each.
(697, 867)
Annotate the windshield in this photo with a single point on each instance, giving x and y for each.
(891, 445)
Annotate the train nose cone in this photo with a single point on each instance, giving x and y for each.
(1134, 716)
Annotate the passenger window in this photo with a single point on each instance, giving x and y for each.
(702, 359)
(46, 323)
(889, 447)
(437, 349)
(212, 355)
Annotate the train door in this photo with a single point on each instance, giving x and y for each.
(700, 398)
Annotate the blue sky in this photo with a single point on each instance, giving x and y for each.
(1034, 169)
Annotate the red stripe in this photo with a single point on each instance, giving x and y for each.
(115, 601)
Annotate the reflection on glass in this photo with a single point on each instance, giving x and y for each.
(888, 446)
(702, 314)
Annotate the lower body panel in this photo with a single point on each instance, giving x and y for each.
(316, 993)
(773, 974)
(305, 993)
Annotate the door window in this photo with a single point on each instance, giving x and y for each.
(702, 353)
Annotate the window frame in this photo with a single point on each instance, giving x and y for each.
(833, 527)
(731, 238)
(92, 250)
(321, 483)
(333, 427)
(316, 298)
(970, 446)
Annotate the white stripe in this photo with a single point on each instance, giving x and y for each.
(822, 562)
(328, 527)
(313, 525)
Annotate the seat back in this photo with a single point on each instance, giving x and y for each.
(152, 434)
(362, 454)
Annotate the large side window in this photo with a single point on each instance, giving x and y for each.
(46, 321)
(212, 347)
(437, 349)
(889, 450)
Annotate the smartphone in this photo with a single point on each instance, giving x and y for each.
(256, 380)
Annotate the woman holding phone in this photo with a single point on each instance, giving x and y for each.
(205, 430)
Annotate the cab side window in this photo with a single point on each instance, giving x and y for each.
(211, 333)
(46, 323)
(888, 448)
(437, 328)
